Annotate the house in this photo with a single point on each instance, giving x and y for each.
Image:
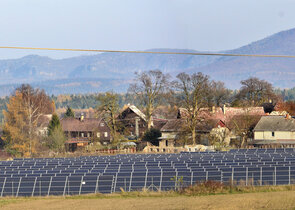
(81, 131)
(175, 129)
(134, 122)
(275, 130)
(42, 124)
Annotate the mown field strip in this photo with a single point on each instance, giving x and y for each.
(262, 200)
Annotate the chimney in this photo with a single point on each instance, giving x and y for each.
(82, 117)
(136, 127)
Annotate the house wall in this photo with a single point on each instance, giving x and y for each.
(267, 135)
(128, 121)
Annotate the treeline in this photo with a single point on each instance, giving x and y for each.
(85, 101)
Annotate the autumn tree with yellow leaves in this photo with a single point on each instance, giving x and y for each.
(22, 118)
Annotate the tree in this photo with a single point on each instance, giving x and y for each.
(56, 140)
(288, 106)
(152, 135)
(69, 113)
(53, 124)
(24, 110)
(150, 86)
(196, 94)
(243, 126)
(109, 108)
(255, 91)
(220, 94)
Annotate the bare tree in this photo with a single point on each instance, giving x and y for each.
(195, 95)
(255, 91)
(109, 108)
(243, 125)
(150, 86)
(220, 94)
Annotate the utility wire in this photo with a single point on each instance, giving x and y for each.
(149, 52)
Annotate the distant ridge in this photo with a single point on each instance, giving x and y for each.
(107, 67)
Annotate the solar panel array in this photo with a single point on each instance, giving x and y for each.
(130, 172)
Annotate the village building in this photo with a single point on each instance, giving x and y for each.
(275, 130)
(81, 131)
(133, 122)
(42, 124)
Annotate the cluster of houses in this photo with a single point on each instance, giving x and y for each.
(274, 129)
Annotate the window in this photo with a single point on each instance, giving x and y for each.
(88, 135)
(82, 134)
(273, 134)
(105, 134)
(98, 134)
(101, 124)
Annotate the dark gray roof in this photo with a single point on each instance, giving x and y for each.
(275, 123)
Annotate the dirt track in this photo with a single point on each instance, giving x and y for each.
(272, 200)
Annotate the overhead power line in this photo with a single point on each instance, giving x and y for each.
(148, 52)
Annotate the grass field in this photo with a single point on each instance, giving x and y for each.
(258, 200)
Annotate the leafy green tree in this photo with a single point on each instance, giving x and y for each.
(56, 141)
(69, 113)
(53, 123)
(152, 135)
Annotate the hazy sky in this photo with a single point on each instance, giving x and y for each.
(138, 24)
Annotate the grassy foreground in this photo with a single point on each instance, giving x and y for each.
(279, 197)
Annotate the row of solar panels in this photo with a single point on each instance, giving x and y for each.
(182, 154)
(164, 180)
(132, 160)
(107, 174)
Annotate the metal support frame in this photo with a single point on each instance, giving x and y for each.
(115, 184)
(275, 175)
(145, 179)
(49, 186)
(161, 179)
(65, 186)
(3, 186)
(260, 176)
(289, 175)
(96, 186)
(246, 176)
(33, 191)
(17, 191)
(112, 185)
(130, 184)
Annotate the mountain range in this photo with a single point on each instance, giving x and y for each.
(114, 71)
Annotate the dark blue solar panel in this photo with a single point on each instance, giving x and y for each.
(105, 184)
(27, 186)
(57, 186)
(10, 187)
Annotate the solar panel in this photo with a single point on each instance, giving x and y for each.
(57, 185)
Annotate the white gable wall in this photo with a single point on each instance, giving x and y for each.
(278, 135)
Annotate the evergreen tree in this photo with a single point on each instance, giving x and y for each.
(69, 112)
(53, 124)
